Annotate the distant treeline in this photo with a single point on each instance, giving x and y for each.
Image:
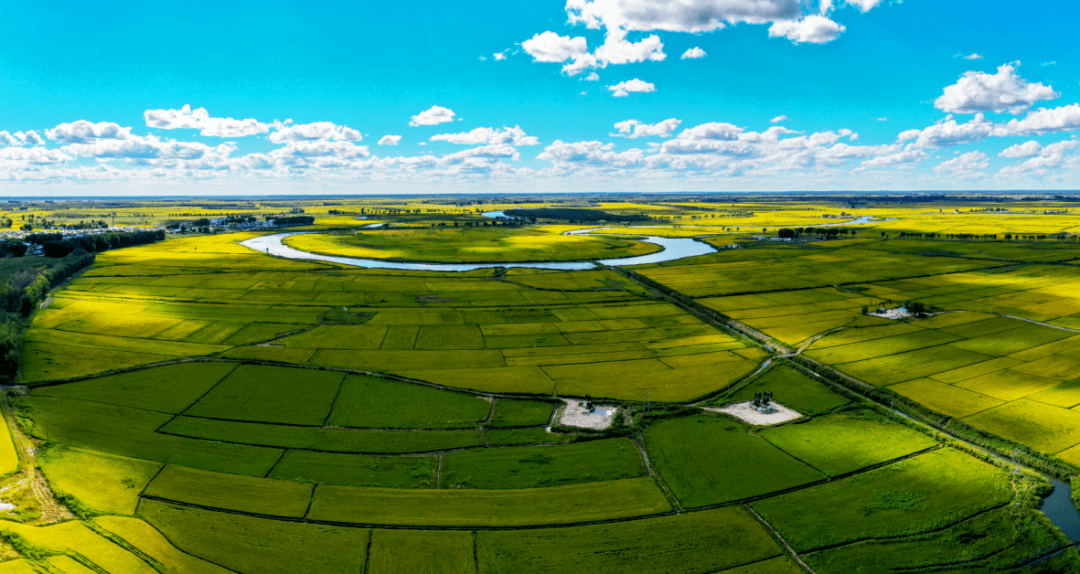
(826, 232)
(294, 220)
(576, 215)
(61, 247)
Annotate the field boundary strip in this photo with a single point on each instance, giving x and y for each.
(783, 542)
(674, 512)
(394, 454)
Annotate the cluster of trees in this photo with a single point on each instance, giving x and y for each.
(23, 291)
(19, 296)
(61, 247)
(294, 220)
(240, 219)
(12, 248)
(825, 232)
(576, 215)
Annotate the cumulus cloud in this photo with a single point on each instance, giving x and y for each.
(791, 19)
(499, 56)
(694, 16)
(1026, 149)
(634, 129)
(490, 136)
(199, 119)
(778, 119)
(971, 57)
(590, 153)
(712, 131)
(82, 131)
(948, 132)
(967, 162)
(979, 92)
(314, 131)
(813, 29)
(636, 86)
(316, 149)
(433, 116)
(1053, 155)
(693, 54)
(389, 140)
(864, 5)
(553, 48)
(616, 49)
(21, 138)
(592, 77)
(1043, 121)
(907, 156)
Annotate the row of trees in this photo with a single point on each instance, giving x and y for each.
(101, 242)
(825, 232)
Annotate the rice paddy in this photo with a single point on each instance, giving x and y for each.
(200, 407)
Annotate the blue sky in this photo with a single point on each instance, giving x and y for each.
(93, 100)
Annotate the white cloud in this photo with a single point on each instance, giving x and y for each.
(1043, 121)
(949, 133)
(199, 119)
(491, 136)
(634, 129)
(693, 54)
(592, 77)
(21, 138)
(979, 92)
(434, 116)
(551, 47)
(494, 151)
(82, 131)
(30, 137)
(314, 131)
(1027, 149)
(971, 57)
(693, 16)
(299, 152)
(34, 155)
(778, 119)
(967, 162)
(813, 29)
(617, 50)
(1050, 156)
(389, 140)
(883, 119)
(590, 153)
(1050, 63)
(863, 5)
(499, 56)
(908, 156)
(712, 131)
(623, 89)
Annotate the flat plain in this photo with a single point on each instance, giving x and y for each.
(196, 406)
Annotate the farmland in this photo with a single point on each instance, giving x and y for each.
(196, 406)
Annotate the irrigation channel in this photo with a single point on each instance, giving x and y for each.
(1059, 508)
(672, 248)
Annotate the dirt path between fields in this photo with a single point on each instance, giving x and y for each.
(29, 481)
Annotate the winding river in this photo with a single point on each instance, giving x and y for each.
(673, 248)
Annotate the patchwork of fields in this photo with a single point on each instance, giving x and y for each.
(219, 410)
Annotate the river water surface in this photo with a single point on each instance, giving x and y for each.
(673, 248)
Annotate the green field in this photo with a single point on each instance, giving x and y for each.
(710, 459)
(196, 406)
